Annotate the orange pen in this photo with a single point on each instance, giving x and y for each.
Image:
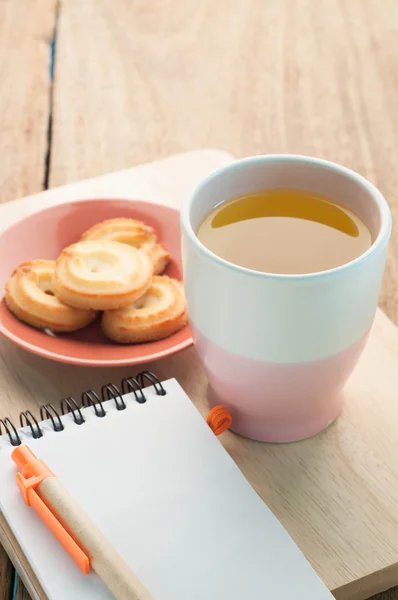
(72, 527)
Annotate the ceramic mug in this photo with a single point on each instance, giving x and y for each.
(278, 349)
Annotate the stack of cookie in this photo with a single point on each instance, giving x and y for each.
(116, 268)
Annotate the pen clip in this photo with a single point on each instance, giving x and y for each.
(32, 498)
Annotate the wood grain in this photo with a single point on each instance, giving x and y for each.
(6, 576)
(336, 493)
(25, 573)
(317, 77)
(389, 595)
(26, 28)
(21, 592)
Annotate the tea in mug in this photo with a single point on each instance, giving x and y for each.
(284, 231)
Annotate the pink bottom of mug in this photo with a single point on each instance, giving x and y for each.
(276, 402)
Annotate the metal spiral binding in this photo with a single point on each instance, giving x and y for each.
(68, 405)
(91, 398)
(31, 420)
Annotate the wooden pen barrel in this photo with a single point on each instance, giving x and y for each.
(104, 559)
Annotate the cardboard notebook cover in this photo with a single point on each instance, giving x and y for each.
(336, 493)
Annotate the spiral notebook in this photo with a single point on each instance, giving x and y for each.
(159, 484)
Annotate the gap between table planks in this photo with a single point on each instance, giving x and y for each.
(28, 381)
(26, 31)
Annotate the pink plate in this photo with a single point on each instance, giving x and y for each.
(43, 235)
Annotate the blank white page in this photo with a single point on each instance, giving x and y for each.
(161, 487)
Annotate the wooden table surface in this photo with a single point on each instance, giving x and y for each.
(91, 86)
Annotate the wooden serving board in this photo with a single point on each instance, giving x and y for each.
(337, 493)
